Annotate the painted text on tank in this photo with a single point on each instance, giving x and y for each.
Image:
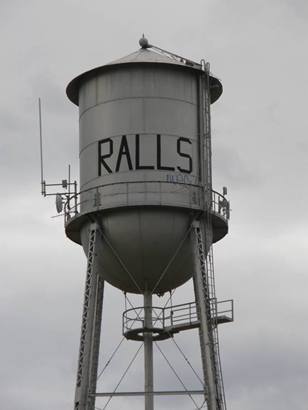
(131, 153)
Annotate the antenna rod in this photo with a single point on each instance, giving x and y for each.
(41, 147)
(69, 180)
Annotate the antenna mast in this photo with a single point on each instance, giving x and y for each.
(43, 191)
(65, 183)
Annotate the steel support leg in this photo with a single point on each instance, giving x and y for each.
(148, 353)
(90, 330)
(204, 316)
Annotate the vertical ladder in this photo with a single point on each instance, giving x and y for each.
(206, 126)
(204, 285)
(214, 330)
(208, 273)
(203, 306)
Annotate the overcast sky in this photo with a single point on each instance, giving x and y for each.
(259, 51)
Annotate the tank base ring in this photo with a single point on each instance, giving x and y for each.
(138, 333)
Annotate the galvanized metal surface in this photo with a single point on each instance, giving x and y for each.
(141, 56)
(137, 246)
(145, 173)
(138, 124)
(141, 168)
(147, 56)
(135, 195)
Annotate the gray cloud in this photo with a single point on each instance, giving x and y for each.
(259, 152)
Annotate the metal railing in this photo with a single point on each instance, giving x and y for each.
(72, 207)
(135, 319)
(177, 317)
(222, 310)
(186, 313)
(220, 205)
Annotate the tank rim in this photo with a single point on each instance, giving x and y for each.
(72, 89)
(74, 225)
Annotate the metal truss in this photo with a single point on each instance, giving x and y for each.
(204, 287)
(90, 330)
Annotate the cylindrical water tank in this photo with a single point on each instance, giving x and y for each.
(140, 168)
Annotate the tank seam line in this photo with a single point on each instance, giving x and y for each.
(135, 98)
(133, 182)
(120, 135)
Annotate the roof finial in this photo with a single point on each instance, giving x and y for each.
(144, 42)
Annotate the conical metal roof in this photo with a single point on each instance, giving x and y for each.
(142, 56)
(145, 55)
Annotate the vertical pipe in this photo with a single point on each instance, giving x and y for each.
(208, 138)
(75, 194)
(69, 180)
(41, 148)
(148, 353)
(201, 167)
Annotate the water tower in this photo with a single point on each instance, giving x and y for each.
(146, 214)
